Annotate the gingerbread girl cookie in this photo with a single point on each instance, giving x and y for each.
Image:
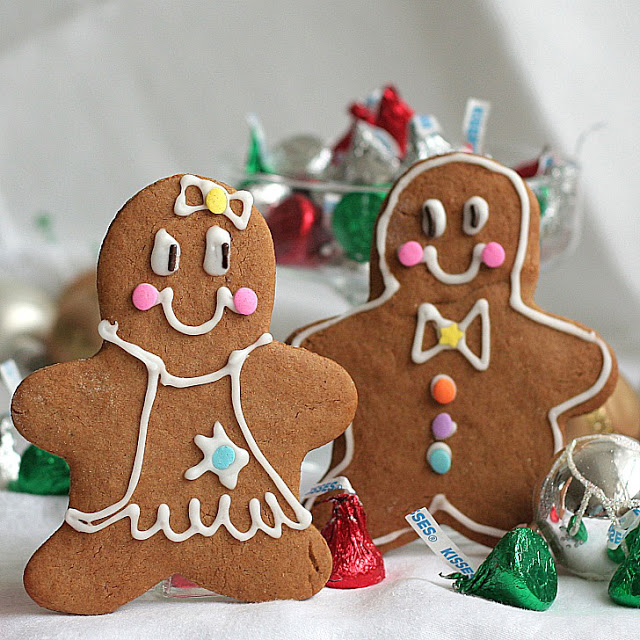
(464, 383)
(186, 432)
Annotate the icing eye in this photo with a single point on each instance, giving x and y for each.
(165, 257)
(475, 215)
(434, 218)
(216, 257)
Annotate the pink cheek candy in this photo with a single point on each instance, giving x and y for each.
(410, 253)
(144, 296)
(245, 301)
(493, 255)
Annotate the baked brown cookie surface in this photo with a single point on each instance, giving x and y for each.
(186, 432)
(464, 384)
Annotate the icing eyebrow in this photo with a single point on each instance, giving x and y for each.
(225, 255)
(173, 256)
(474, 215)
(430, 225)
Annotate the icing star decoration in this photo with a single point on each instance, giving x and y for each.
(221, 456)
(451, 335)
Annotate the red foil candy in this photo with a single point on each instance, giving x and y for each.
(358, 112)
(357, 562)
(298, 231)
(527, 169)
(394, 116)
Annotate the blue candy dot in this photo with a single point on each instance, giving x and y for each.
(223, 457)
(440, 461)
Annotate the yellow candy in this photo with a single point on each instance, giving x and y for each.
(451, 335)
(216, 200)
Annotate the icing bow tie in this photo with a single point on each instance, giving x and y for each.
(451, 335)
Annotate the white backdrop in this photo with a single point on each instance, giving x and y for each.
(100, 98)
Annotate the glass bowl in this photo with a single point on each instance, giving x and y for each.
(323, 229)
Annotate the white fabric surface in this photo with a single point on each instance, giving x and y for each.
(412, 602)
(100, 98)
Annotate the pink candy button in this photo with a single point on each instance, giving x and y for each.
(245, 301)
(493, 255)
(410, 253)
(144, 296)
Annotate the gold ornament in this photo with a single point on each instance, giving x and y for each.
(619, 414)
(75, 332)
(26, 316)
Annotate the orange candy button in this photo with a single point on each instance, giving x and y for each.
(443, 389)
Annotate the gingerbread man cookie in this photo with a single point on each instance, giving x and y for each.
(186, 432)
(464, 383)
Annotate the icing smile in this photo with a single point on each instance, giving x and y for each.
(244, 302)
(491, 255)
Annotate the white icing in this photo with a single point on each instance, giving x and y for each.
(480, 206)
(215, 262)
(391, 286)
(229, 476)
(431, 260)
(157, 373)
(429, 313)
(390, 537)
(161, 251)
(434, 218)
(337, 470)
(181, 208)
(224, 299)
(440, 503)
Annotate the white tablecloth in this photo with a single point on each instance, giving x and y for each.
(412, 602)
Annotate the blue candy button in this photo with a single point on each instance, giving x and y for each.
(439, 457)
(223, 457)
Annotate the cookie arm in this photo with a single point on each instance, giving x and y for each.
(47, 406)
(304, 398)
(330, 399)
(579, 367)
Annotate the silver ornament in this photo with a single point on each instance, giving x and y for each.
(27, 314)
(592, 484)
(267, 192)
(9, 457)
(301, 156)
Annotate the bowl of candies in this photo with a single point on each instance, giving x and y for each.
(321, 201)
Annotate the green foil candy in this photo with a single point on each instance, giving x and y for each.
(41, 473)
(581, 534)
(624, 587)
(257, 161)
(631, 541)
(519, 572)
(353, 222)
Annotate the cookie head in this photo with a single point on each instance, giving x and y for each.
(188, 258)
(457, 222)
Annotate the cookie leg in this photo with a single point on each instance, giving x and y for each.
(90, 573)
(293, 567)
